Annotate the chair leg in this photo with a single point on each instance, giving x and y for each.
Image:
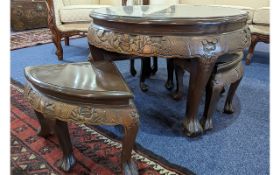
(130, 131)
(45, 129)
(68, 160)
(66, 41)
(155, 66)
(254, 40)
(228, 108)
(179, 71)
(133, 71)
(57, 42)
(170, 71)
(213, 90)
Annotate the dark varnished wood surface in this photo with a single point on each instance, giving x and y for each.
(85, 94)
(77, 81)
(201, 36)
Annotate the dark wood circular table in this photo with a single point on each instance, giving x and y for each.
(199, 33)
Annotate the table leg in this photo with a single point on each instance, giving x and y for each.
(200, 72)
(68, 160)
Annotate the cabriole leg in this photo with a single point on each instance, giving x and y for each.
(213, 91)
(200, 72)
(68, 160)
(130, 131)
(45, 129)
(228, 108)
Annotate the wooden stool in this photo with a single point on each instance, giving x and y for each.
(82, 93)
(228, 71)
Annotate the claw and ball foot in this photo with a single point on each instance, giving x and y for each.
(192, 128)
(67, 162)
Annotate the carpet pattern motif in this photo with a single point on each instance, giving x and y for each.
(95, 153)
(32, 38)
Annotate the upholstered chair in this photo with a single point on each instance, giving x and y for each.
(259, 30)
(71, 17)
(258, 20)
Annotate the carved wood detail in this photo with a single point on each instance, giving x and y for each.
(169, 46)
(80, 113)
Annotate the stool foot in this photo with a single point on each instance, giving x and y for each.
(45, 125)
(68, 160)
(130, 168)
(177, 95)
(169, 85)
(144, 87)
(206, 123)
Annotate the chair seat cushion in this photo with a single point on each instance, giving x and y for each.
(261, 16)
(259, 29)
(77, 13)
(79, 81)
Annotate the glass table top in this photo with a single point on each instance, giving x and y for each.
(165, 12)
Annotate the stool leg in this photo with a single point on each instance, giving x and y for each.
(228, 108)
(155, 66)
(145, 73)
(45, 129)
(130, 130)
(68, 160)
(133, 71)
(170, 71)
(179, 71)
(213, 90)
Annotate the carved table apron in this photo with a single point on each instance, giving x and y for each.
(201, 35)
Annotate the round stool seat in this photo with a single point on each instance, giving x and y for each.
(83, 82)
(228, 61)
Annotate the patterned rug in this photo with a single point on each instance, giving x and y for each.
(96, 152)
(30, 38)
